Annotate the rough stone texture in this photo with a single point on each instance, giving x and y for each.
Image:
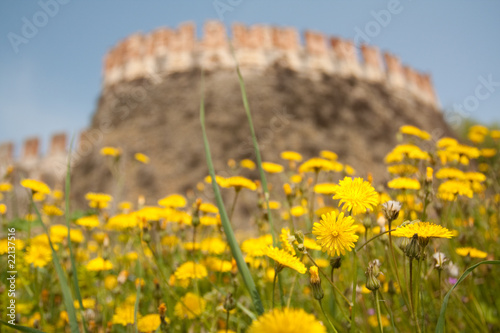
(356, 119)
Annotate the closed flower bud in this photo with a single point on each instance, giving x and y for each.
(372, 272)
(229, 302)
(336, 262)
(412, 250)
(428, 176)
(391, 210)
(316, 283)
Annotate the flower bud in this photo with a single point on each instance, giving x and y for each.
(229, 302)
(412, 250)
(316, 283)
(336, 262)
(372, 272)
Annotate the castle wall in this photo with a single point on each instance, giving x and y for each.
(258, 47)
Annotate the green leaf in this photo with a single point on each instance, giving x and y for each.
(228, 230)
(20, 328)
(258, 157)
(67, 297)
(441, 319)
(68, 225)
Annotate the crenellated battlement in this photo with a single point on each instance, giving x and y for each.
(258, 47)
(31, 162)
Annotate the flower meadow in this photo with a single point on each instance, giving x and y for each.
(328, 251)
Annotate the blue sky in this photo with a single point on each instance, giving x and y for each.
(52, 83)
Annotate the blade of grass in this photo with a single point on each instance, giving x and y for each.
(76, 286)
(20, 328)
(65, 289)
(441, 319)
(226, 225)
(258, 156)
(138, 271)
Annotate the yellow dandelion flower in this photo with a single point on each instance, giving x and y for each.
(4, 245)
(272, 167)
(218, 265)
(99, 264)
(335, 233)
(423, 230)
(476, 137)
(110, 282)
(213, 245)
(88, 221)
(291, 156)
(317, 164)
(190, 270)
(471, 252)
(451, 173)
(247, 164)
(356, 195)
(287, 320)
(273, 205)
(3, 209)
(190, 306)
(296, 179)
(311, 244)
(404, 183)
(284, 258)
(239, 182)
(124, 315)
(110, 151)
(59, 232)
(325, 188)
(36, 186)
(173, 201)
(329, 155)
(125, 206)
(285, 243)
(373, 321)
(122, 222)
(88, 303)
(141, 158)
(495, 134)
(98, 200)
(58, 194)
(209, 220)
(190, 246)
(485, 152)
(256, 247)
(52, 210)
(402, 169)
(38, 255)
(298, 211)
(400, 152)
(207, 207)
(324, 210)
(170, 240)
(149, 323)
(415, 131)
(449, 189)
(467, 151)
(5, 187)
(446, 142)
(475, 176)
(480, 129)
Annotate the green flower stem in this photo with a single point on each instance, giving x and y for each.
(394, 264)
(311, 204)
(327, 318)
(291, 289)
(274, 285)
(379, 317)
(354, 284)
(236, 193)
